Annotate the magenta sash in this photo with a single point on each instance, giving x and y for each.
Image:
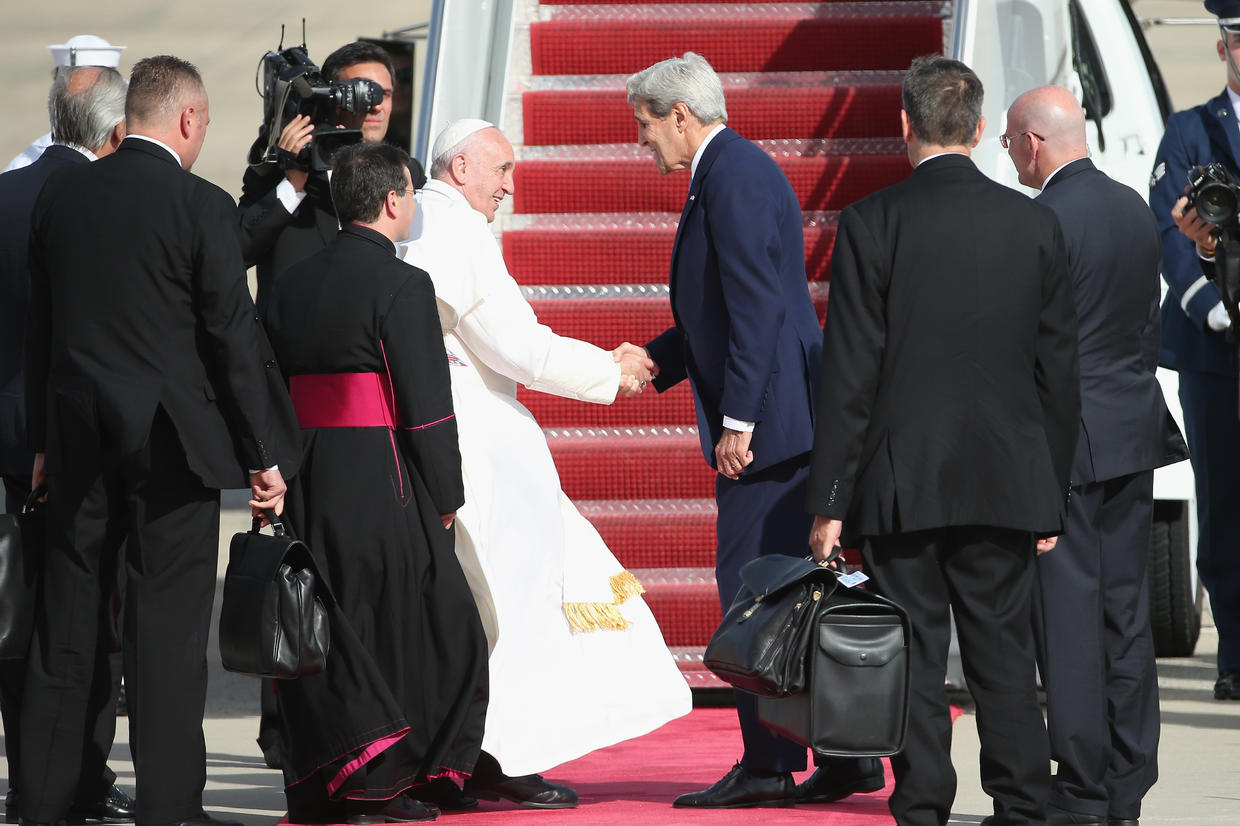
(343, 400)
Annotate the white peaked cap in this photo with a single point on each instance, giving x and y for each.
(86, 50)
(456, 132)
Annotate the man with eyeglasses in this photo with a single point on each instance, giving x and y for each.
(1091, 619)
(1194, 343)
(287, 216)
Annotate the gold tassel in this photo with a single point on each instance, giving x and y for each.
(594, 616)
(624, 585)
(585, 617)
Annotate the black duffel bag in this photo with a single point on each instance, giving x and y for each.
(273, 621)
(762, 643)
(856, 700)
(21, 562)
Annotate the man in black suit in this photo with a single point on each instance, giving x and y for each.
(1091, 596)
(287, 215)
(146, 394)
(947, 418)
(87, 110)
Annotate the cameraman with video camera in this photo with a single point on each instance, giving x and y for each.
(1195, 342)
(286, 206)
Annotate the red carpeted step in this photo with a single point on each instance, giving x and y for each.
(826, 174)
(685, 602)
(674, 407)
(631, 463)
(751, 37)
(608, 315)
(697, 675)
(606, 248)
(656, 533)
(585, 110)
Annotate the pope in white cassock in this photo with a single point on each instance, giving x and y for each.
(577, 660)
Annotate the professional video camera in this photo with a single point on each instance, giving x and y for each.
(1216, 195)
(291, 84)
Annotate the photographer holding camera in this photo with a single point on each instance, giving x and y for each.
(286, 206)
(1195, 343)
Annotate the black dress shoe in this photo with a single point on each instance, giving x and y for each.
(528, 790)
(12, 806)
(840, 778)
(443, 793)
(1058, 817)
(1227, 687)
(742, 789)
(1123, 821)
(400, 809)
(114, 807)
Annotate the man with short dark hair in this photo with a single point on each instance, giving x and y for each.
(146, 394)
(286, 216)
(947, 419)
(87, 111)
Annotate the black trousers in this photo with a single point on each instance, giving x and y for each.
(95, 777)
(171, 524)
(985, 577)
(1095, 651)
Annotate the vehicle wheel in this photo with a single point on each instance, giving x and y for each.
(1175, 598)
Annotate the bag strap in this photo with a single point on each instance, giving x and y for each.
(278, 525)
(34, 500)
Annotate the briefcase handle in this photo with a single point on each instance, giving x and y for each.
(33, 500)
(278, 526)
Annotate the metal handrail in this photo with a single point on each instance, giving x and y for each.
(422, 140)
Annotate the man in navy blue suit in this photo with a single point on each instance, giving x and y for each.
(1194, 342)
(87, 109)
(747, 338)
(1091, 600)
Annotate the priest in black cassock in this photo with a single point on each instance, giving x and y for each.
(379, 736)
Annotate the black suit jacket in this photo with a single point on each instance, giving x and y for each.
(950, 393)
(139, 302)
(272, 238)
(18, 191)
(1114, 256)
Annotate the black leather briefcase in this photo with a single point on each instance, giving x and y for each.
(273, 617)
(21, 561)
(856, 700)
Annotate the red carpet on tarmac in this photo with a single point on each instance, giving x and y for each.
(636, 782)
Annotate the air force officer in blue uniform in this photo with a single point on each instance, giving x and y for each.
(1194, 342)
(747, 338)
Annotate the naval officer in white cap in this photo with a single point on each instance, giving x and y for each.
(79, 50)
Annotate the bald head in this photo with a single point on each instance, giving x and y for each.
(1045, 130)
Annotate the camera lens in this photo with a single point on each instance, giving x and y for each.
(1216, 203)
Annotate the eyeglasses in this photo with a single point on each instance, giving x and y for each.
(1006, 140)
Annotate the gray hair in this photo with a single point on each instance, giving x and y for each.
(85, 113)
(689, 80)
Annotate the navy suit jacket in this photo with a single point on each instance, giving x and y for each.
(1113, 256)
(746, 334)
(18, 191)
(1193, 137)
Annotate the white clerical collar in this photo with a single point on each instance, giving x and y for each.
(160, 143)
(697, 156)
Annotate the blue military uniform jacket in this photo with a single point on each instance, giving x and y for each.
(1193, 137)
